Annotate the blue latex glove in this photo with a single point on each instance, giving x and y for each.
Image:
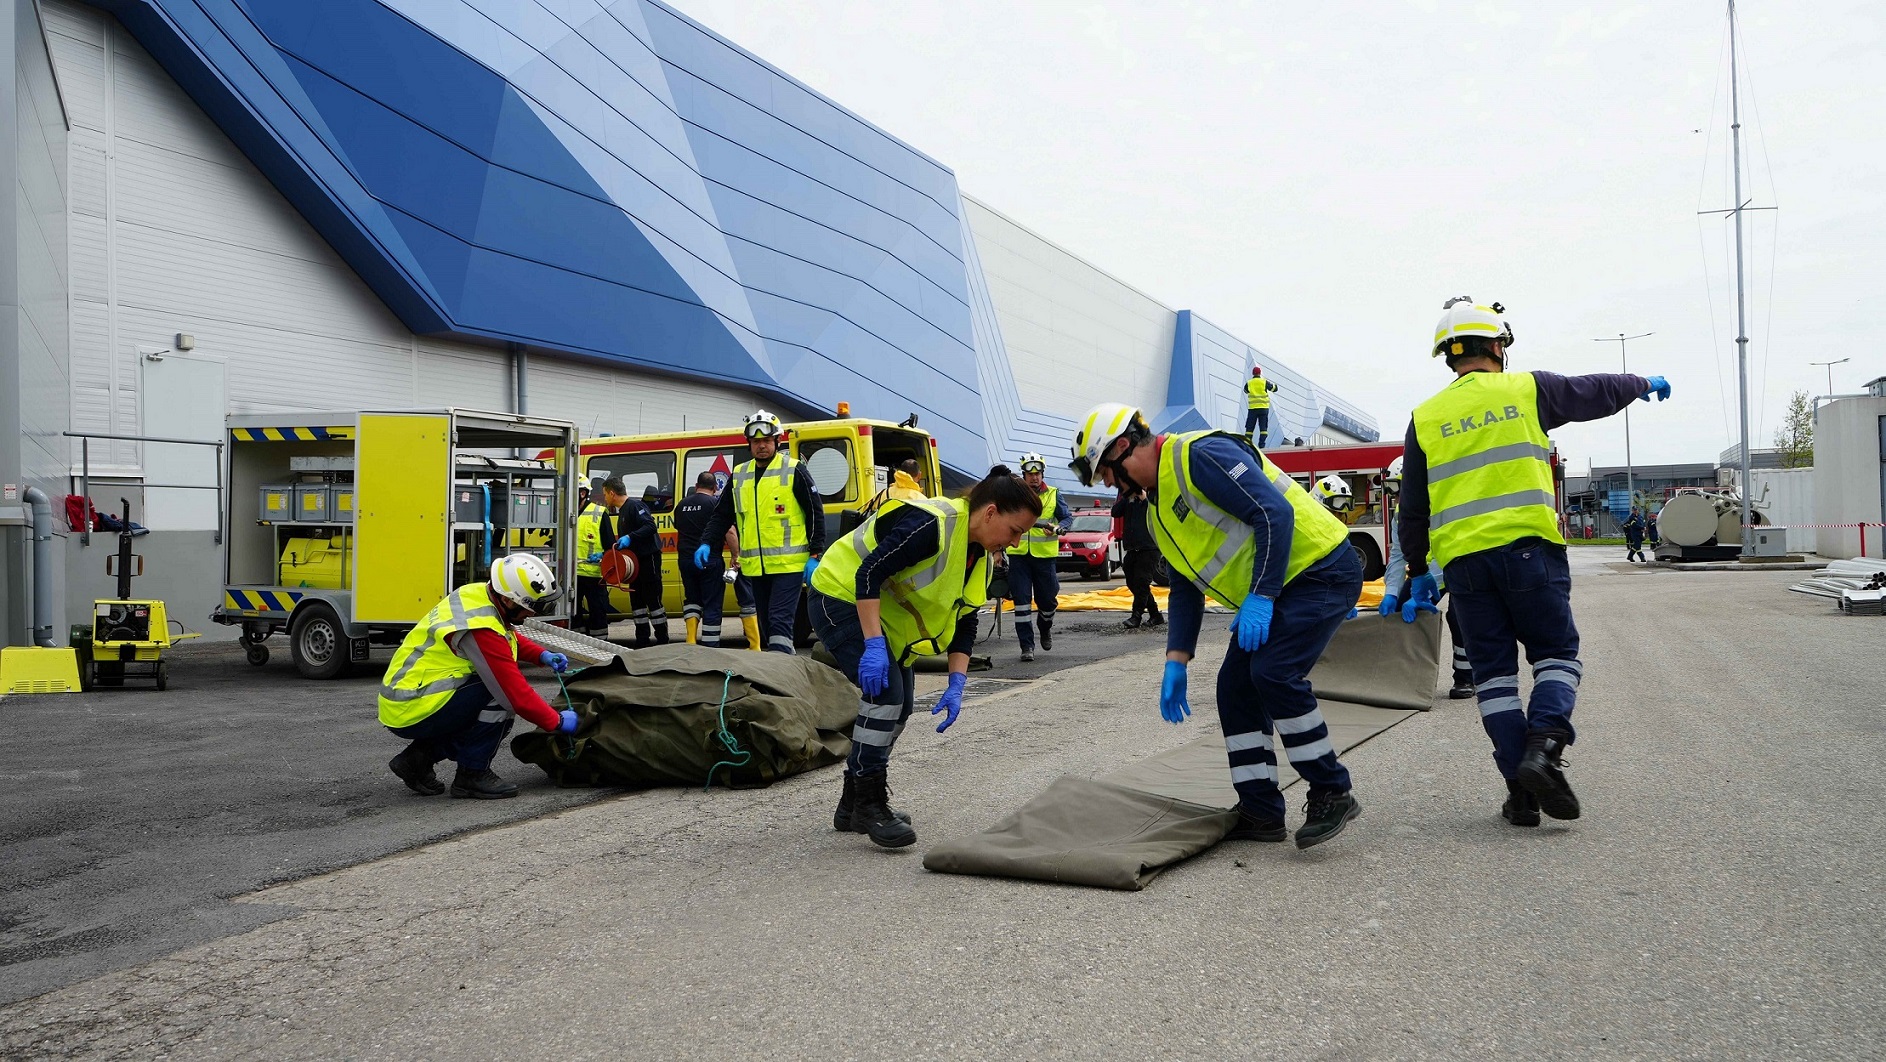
(623, 542)
(951, 701)
(874, 668)
(1423, 592)
(1354, 611)
(1390, 605)
(556, 662)
(1253, 622)
(1172, 706)
(701, 553)
(811, 565)
(594, 557)
(568, 722)
(1659, 387)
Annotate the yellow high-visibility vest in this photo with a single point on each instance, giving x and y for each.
(773, 535)
(1214, 549)
(1038, 542)
(589, 539)
(919, 606)
(1489, 465)
(425, 672)
(1257, 393)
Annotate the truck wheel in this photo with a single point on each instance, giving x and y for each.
(317, 643)
(257, 655)
(1370, 555)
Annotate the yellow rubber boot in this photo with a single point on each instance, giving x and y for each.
(694, 630)
(751, 624)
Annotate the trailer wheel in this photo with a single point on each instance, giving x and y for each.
(163, 675)
(257, 655)
(317, 643)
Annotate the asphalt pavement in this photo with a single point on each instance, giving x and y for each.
(1720, 898)
(132, 816)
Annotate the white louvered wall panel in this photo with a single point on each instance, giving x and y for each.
(173, 230)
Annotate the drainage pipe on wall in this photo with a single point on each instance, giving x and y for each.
(42, 566)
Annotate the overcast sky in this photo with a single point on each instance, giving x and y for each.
(1319, 178)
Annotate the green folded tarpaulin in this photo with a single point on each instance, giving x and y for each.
(1118, 831)
(655, 717)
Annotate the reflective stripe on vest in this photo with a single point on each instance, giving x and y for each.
(773, 537)
(425, 672)
(1489, 465)
(921, 604)
(1037, 542)
(589, 539)
(1215, 549)
(1256, 393)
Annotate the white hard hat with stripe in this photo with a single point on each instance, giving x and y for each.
(524, 579)
(1461, 318)
(1097, 431)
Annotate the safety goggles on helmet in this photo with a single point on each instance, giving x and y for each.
(1104, 425)
(762, 425)
(1333, 491)
(1033, 462)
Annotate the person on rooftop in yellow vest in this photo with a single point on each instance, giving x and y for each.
(1477, 492)
(1033, 583)
(1257, 391)
(453, 686)
(907, 583)
(773, 504)
(1233, 526)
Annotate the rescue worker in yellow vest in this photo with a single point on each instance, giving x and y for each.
(773, 504)
(1233, 526)
(1478, 494)
(907, 583)
(1257, 391)
(595, 532)
(453, 686)
(1033, 583)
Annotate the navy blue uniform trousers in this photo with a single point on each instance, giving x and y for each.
(1506, 597)
(467, 729)
(880, 718)
(1035, 587)
(1264, 697)
(776, 597)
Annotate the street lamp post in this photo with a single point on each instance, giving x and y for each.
(1829, 366)
(1630, 470)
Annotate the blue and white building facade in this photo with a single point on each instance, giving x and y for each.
(594, 210)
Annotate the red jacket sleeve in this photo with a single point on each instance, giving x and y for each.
(490, 655)
(527, 650)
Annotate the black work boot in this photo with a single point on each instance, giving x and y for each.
(1539, 772)
(1324, 816)
(1046, 630)
(641, 635)
(848, 801)
(1521, 808)
(1156, 620)
(661, 633)
(1132, 623)
(1028, 654)
(871, 814)
(481, 785)
(415, 770)
(1256, 826)
(1463, 687)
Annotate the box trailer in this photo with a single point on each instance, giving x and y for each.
(345, 528)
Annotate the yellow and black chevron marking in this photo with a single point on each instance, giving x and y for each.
(290, 434)
(261, 600)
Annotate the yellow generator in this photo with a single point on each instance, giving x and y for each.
(346, 528)
(128, 635)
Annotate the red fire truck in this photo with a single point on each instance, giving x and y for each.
(1363, 465)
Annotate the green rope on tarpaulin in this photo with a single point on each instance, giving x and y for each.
(726, 738)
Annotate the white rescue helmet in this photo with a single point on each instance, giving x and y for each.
(1033, 462)
(1391, 482)
(524, 579)
(1097, 431)
(1461, 318)
(1333, 492)
(761, 424)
